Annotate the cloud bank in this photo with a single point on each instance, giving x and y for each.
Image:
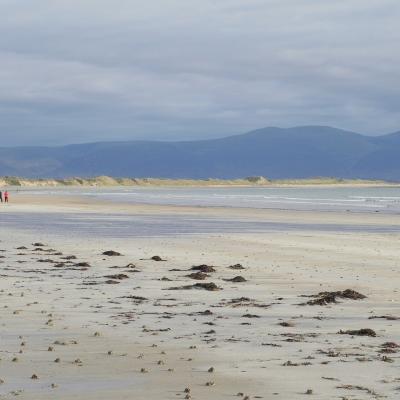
(78, 71)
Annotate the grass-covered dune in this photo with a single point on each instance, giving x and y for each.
(106, 181)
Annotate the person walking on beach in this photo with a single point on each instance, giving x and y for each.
(1, 196)
(5, 197)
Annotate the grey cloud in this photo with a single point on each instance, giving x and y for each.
(171, 69)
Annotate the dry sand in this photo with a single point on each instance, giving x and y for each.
(87, 335)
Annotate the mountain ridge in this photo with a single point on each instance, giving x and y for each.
(276, 153)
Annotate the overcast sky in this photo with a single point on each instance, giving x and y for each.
(89, 70)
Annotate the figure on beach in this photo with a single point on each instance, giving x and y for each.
(4, 197)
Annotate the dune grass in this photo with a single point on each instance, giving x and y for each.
(106, 181)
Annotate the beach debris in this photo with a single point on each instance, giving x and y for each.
(138, 299)
(157, 258)
(236, 266)
(359, 332)
(111, 253)
(292, 364)
(117, 276)
(389, 348)
(203, 268)
(211, 286)
(205, 312)
(82, 264)
(250, 316)
(324, 298)
(299, 337)
(390, 345)
(360, 388)
(200, 276)
(387, 317)
(244, 302)
(287, 324)
(45, 260)
(236, 279)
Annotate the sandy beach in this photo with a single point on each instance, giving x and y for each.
(278, 314)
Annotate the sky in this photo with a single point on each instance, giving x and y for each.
(75, 71)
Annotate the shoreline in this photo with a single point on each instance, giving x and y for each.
(22, 201)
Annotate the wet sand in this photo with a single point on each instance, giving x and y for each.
(109, 326)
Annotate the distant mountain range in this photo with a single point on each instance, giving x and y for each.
(300, 152)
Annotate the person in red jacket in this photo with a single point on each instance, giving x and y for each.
(6, 196)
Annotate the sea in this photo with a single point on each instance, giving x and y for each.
(384, 200)
(353, 199)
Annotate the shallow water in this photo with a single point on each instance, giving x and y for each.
(355, 199)
(125, 226)
(368, 200)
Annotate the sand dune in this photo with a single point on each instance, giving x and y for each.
(107, 181)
